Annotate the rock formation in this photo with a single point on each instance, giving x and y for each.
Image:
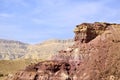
(10, 49)
(95, 55)
(40, 51)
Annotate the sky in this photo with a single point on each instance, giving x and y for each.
(34, 21)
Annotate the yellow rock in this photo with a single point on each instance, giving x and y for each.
(76, 29)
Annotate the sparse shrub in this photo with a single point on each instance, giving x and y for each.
(1, 75)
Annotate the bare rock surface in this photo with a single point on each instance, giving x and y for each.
(47, 49)
(95, 55)
(10, 49)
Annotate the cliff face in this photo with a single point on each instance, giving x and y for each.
(10, 49)
(47, 49)
(95, 55)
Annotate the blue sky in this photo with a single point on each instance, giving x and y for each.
(33, 21)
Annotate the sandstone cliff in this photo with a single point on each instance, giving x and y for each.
(95, 55)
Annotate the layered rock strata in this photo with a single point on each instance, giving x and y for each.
(95, 55)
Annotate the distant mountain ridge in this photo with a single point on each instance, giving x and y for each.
(47, 49)
(10, 49)
(11, 41)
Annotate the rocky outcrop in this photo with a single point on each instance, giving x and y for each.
(87, 32)
(92, 53)
(46, 70)
(95, 55)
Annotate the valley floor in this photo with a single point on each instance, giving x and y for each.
(8, 67)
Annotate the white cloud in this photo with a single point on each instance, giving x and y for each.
(6, 15)
(65, 13)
